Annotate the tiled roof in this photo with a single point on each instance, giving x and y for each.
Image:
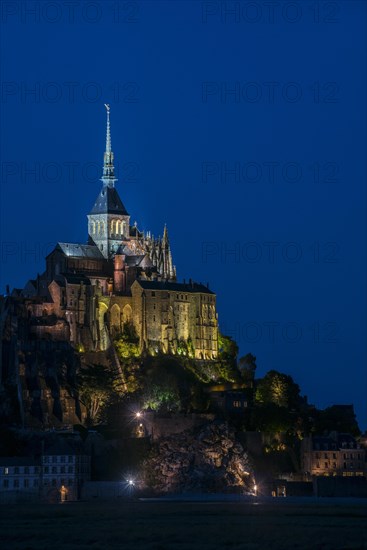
(175, 287)
(76, 250)
(109, 202)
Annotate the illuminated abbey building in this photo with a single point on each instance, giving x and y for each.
(122, 275)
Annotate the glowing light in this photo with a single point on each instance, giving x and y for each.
(138, 414)
(130, 482)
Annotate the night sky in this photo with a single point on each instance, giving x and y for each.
(240, 125)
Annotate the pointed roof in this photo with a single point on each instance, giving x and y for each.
(109, 202)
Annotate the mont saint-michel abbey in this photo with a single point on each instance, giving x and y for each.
(122, 275)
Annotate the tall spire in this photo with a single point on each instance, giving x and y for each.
(108, 177)
(108, 133)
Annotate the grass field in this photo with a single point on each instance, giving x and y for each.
(135, 525)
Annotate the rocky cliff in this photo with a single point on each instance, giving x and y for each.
(206, 459)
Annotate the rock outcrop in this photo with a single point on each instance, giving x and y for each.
(208, 459)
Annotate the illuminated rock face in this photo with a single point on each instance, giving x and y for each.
(207, 459)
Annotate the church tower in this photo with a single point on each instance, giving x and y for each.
(108, 221)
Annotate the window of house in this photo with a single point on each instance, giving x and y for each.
(70, 459)
(62, 470)
(54, 459)
(334, 455)
(35, 483)
(54, 470)
(70, 470)
(70, 482)
(26, 470)
(326, 465)
(16, 483)
(26, 483)
(153, 317)
(334, 464)
(317, 465)
(6, 471)
(153, 293)
(54, 483)
(6, 483)
(46, 470)
(325, 455)
(63, 459)
(16, 470)
(345, 466)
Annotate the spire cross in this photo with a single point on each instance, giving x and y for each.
(108, 177)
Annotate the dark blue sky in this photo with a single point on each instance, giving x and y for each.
(196, 90)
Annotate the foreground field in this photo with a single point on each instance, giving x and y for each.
(137, 525)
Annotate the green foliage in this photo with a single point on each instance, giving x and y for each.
(247, 368)
(161, 390)
(272, 418)
(127, 345)
(97, 388)
(227, 347)
(213, 371)
(278, 389)
(339, 418)
(186, 348)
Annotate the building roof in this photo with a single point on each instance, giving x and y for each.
(109, 202)
(76, 279)
(334, 441)
(175, 287)
(76, 250)
(17, 461)
(65, 447)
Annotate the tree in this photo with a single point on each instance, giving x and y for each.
(271, 418)
(97, 387)
(339, 418)
(279, 389)
(127, 345)
(247, 367)
(227, 347)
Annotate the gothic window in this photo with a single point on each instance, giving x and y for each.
(102, 228)
(123, 230)
(118, 227)
(92, 228)
(113, 227)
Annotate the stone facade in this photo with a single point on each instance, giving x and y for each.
(334, 455)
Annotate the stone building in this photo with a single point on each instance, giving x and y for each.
(122, 275)
(19, 474)
(333, 455)
(65, 469)
(57, 475)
